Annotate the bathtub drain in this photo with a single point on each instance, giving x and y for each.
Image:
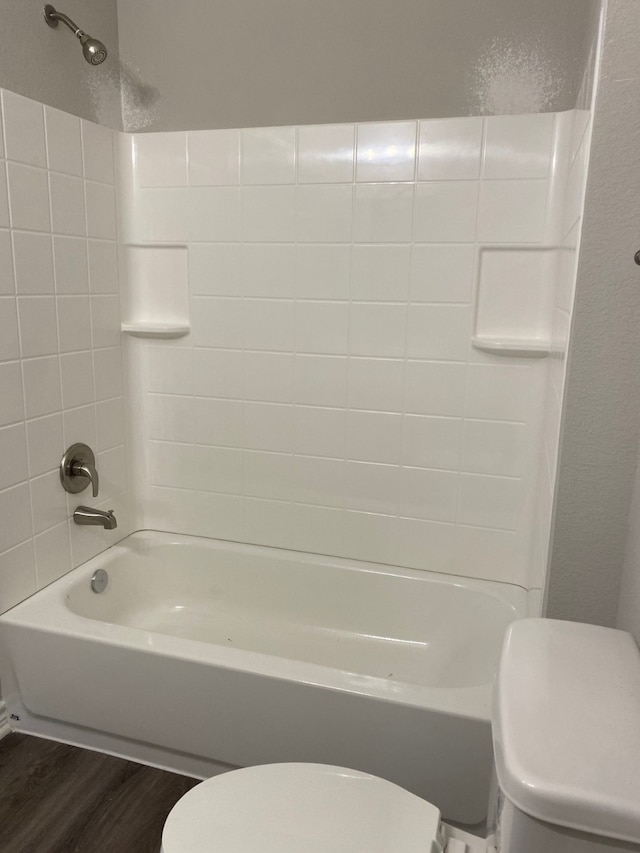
(99, 581)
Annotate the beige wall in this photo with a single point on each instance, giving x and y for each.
(248, 63)
(47, 65)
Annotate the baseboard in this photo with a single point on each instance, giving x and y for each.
(5, 728)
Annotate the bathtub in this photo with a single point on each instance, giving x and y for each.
(203, 655)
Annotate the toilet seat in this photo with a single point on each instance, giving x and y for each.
(300, 808)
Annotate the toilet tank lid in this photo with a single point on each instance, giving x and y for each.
(566, 726)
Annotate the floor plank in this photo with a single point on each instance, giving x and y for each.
(56, 798)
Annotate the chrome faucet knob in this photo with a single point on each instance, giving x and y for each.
(78, 469)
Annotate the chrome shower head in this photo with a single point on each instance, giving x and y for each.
(93, 50)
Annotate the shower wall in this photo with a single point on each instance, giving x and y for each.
(61, 375)
(328, 397)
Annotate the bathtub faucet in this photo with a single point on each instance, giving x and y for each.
(88, 515)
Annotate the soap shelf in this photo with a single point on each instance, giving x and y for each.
(514, 347)
(156, 330)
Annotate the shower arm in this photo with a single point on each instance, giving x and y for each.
(52, 16)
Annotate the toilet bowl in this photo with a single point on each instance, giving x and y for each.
(566, 731)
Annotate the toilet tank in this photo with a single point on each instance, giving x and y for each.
(566, 733)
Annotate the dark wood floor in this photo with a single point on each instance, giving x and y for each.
(61, 799)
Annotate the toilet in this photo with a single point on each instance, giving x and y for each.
(566, 735)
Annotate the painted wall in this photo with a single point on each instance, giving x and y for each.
(328, 398)
(61, 378)
(601, 425)
(246, 63)
(47, 65)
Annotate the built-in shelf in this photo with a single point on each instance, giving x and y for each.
(156, 330)
(514, 347)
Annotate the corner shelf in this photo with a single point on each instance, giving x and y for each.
(514, 347)
(156, 330)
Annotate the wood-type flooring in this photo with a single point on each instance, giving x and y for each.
(56, 798)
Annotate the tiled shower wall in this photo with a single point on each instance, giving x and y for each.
(328, 398)
(61, 375)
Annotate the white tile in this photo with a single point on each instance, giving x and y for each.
(41, 378)
(518, 146)
(325, 154)
(218, 469)
(269, 155)
(74, 323)
(12, 408)
(9, 338)
(445, 212)
(86, 542)
(376, 384)
(490, 447)
(101, 211)
(214, 157)
(7, 279)
(268, 270)
(70, 265)
(434, 388)
(17, 575)
(219, 422)
(489, 554)
(498, 393)
(38, 329)
(24, 129)
(322, 327)
(48, 501)
(64, 143)
(322, 272)
(214, 214)
(161, 159)
(268, 376)
(268, 324)
(103, 266)
(319, 481)
(76, 370)
(428, 494)
(269, 214)
(383, 213)
(80, 425)
(438, 332)
(268, 426)
(377, 329)
(215, 269)
(172, 465)
(512, 211)
(173, 418)
(33, 262)
(320, 432)
(380, 273)
(67, 205)
(372, 488)
(317, 529)
(113, 472)
(267, 522)
(45, 444)
(105, 320)
(370, 536)
(386, 151)
(374, 437)
(268, 475)
(425, 544)
(29, 198)
(216, 373)
(217, 322)
(15, 511)
(325, 214)
(97, 146)
(449, 149)
(53, 554)
(163, 215)
(320, 380)
(441, 273)
(107, 366)
(13, 452)
(429, 442)
(4, 198)
(489, 501)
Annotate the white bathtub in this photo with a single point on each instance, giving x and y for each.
(201, 655)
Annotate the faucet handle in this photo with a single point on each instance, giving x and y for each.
(78, 469)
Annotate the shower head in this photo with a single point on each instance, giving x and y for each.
(93, 50)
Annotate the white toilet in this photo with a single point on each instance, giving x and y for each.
(566, 734)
